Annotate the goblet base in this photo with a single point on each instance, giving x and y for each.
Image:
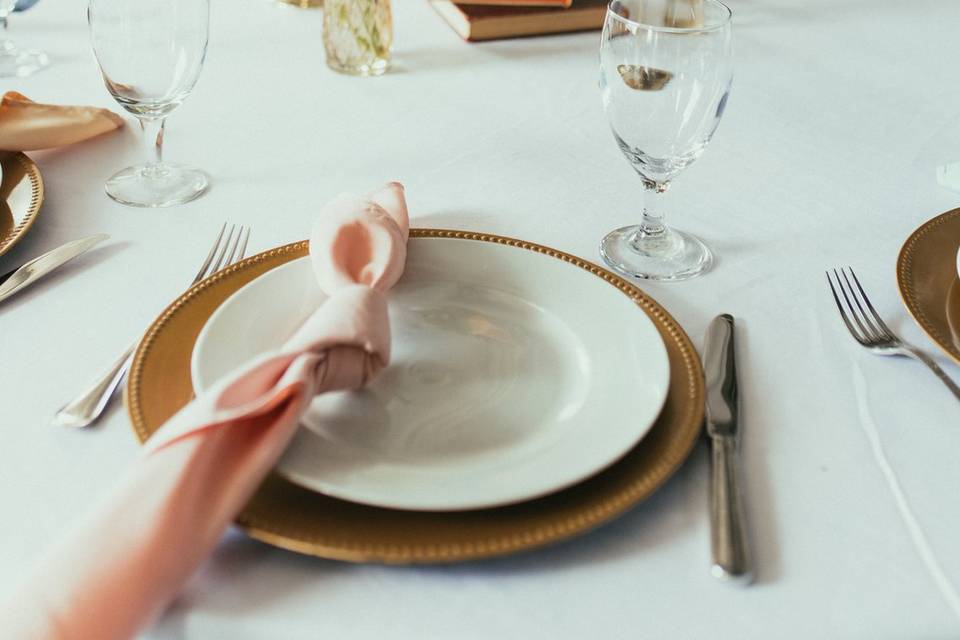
(17, 63)
(157, 185)
(671, 255)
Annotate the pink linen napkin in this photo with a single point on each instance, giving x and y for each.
(126, 561)
(26, 125)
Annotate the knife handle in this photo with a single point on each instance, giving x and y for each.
(731, 555)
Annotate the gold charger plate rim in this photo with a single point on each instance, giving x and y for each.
(514, 528)
(925, 311)
(32, 172)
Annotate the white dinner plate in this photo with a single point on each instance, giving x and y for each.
(513, 375)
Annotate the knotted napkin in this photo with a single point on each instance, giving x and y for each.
(26, 125)
(128, 558)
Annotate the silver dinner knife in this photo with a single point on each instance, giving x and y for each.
(38, 267)
(728, 535)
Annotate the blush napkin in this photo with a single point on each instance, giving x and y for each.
(126, 561)
(26, 125)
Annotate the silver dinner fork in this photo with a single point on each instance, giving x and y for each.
(869, 329)
(90, 405)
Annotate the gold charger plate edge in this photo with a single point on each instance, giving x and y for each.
(422, 537)
(32, 172)
(915, 297)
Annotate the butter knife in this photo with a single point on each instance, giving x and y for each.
(728, 536)
(32, 271)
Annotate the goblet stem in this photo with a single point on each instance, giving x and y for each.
(652, 238)
(153, 139)
(651, 226)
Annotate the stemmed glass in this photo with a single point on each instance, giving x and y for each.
(665, 74)
(15, 62)
(150, 54)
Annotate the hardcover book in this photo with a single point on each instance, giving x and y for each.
(475, 22)
(525, 3)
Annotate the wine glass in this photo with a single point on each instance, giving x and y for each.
(15, 62)
(150, 54)
(665, 74)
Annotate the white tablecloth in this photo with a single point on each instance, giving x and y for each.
(840, 112)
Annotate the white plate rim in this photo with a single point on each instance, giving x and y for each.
(334, 491)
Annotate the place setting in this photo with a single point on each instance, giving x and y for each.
(472, 443)
(374, 392)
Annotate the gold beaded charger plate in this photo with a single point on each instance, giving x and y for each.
(21, 193)
(292, 517)
(928, 282)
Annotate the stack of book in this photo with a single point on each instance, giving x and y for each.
(494, 19)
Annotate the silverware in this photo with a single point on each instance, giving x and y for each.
(728, 535)
(32, 271)
(89, 406)
(869, 329)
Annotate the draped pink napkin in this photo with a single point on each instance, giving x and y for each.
(27, 125)
(126, 561)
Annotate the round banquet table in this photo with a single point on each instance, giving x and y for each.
(840, 113)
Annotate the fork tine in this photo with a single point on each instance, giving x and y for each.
(865, 333)
(876, 316)
(213, 250)
(243, 247)
(843, 314)
(233, 249)
(223, 251)
(874, 332)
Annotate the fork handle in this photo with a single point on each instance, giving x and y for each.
(927, 360)
(89, 406)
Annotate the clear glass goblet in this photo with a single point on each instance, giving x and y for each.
(15, 62)
(150, 54)
(665, 74)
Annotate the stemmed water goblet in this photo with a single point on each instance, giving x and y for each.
(150, 54)
(15, 62)
(665, 76)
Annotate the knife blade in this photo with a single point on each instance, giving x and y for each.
(38, 267)
(728, 535)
